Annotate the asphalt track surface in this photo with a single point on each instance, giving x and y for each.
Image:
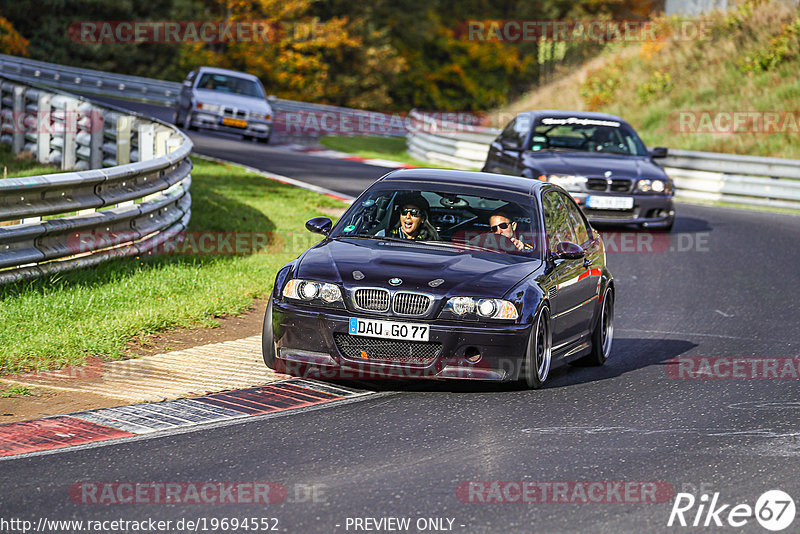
(723, 286)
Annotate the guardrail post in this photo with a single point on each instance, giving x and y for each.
(96, 143)
(146, 140)
(43, 128)
(174, 143)
(18, 136)
(124, 139)
(162, 138)
(68, 155)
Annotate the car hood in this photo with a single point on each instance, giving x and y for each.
(251, 103)
(594, 165)
(470, 273)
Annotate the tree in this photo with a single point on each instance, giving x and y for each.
(11, 42)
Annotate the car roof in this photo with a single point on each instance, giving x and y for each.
(565, 114)
(467, 178)
(217, 70)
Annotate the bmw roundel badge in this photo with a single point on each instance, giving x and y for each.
(395, 281)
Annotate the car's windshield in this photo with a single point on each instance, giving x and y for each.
(585, 135)
(468, 220)
(230, 84)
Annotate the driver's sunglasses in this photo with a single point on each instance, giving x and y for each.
(409, 211)
(502, 226)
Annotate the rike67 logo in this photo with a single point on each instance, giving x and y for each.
(774, 510)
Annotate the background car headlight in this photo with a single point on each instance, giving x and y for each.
(478, 308)
(310, 291)
(568, 182)
(211, 108)
(656, 186)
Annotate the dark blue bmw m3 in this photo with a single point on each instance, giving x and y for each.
(445, 274)
(597, 157)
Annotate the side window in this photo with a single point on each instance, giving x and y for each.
(557, 220)
(516, 131)
(509, 133)
(576, 220)
(521, 127)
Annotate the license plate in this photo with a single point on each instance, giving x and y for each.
(236, 123)
(609, 203)
(389, 329)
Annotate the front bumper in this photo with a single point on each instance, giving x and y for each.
(213, 121)
(308, 342)
(647, 209)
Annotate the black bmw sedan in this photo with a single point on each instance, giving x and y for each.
(597, 157)
(445, 274)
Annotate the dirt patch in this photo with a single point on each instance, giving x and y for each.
(245, 325)
(46, 401)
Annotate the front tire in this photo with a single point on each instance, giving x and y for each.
(538, 354)
(603, 333)
(187, 121)
(268, 343)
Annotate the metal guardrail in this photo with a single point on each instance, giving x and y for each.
(449, 143)
(698, 175)
(290, 116)
(710, 176)
(56, 222)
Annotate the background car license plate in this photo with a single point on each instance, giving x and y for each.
(609, 203)
(236, 123)
(389, 329)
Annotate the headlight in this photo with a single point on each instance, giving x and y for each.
(473, 308)
(211, 108)
(310, 291)
(260, 116)
(656, 186)
(568, 182)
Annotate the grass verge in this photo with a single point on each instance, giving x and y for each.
(681, 92)
(15, 391)
(59, 320)
(22, 164)
(391, 148)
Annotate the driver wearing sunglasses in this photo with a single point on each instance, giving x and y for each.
(413, 223)
(500, 223)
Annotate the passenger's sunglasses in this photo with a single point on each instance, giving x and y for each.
(409, 211)
(502, 226)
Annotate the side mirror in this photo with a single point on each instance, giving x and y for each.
(567, 250)
(272, 98)
(509, 145)
(187, 83)
(658, 152)
(319, 225)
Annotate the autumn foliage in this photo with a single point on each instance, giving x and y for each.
(380, 54)
(11, 42)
